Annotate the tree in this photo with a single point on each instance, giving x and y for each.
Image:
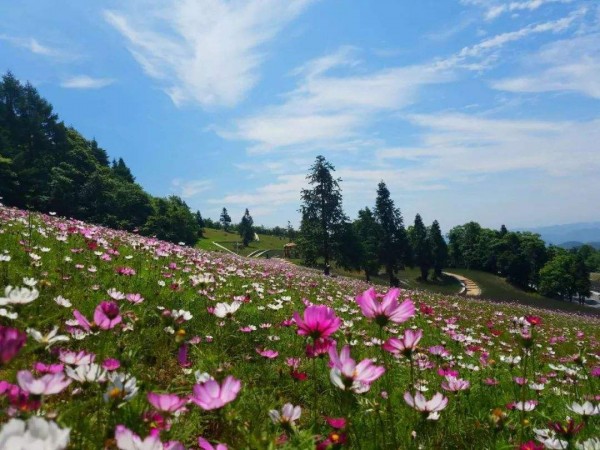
(172, 221)
(368, 234)
(421, 250)
(393, 246)
(557, 277)
(439, 249)
(245, 228)
(200, 222)
(322, 214)
(225, 220)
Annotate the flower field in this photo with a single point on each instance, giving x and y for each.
(117, 341)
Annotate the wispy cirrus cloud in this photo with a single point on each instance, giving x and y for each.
(36, 47)
(86, 82)
(496, 8)
(204, 51)
(188, 189)
(568, 65)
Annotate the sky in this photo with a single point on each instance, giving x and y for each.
(485, 110)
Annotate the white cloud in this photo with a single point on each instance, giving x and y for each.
(327, 110)
(570, 65)
(188, 189)
(204, 51)
(510, 7)
(34, 46)
(86, 82)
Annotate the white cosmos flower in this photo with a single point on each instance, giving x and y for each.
(48, 339)
(18, 296)
(36, 433)
(590, 444)
(181, 314)
(226, 309)
(115, 295)
(289, 414)
(8, 314)
(585, 409)
(4, 258)
(87, 373)
(121, 387)
(31, 282)
(61, 301)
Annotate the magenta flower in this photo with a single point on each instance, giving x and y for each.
(106, 315)
(82, 321)
(46, 385)
(406, 345)
(210, 395)
(348, 375)
(170, 403)
(430, 407)
(40, 367)
(183, 357)
(205, 445)
(81, 358)
(387, 309)
(319, 347)
(11, 341)
(319, 321)
(111, 364)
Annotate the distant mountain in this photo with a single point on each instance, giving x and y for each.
(572, 234)
(575, 244)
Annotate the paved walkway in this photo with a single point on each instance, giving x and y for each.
(471, 289)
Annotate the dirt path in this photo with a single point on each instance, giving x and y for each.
(471, 288)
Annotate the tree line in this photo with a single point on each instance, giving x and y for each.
(48, 166)
(377, 239)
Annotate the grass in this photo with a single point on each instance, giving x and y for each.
(233, 242)
(498, 289)
(170, 338)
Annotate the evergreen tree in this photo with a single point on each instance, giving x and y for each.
(121, 170)
(200, 222)
(245, 228)
(421, 250)
(225, 220)
(368, 234)
(393, 247)
(322, 214)
(439, 249)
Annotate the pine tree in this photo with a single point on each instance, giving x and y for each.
(322, 214)
(421, 250)
(225, 219)
(439, 249)
(393, 247)
(368, 234)
(245, 229)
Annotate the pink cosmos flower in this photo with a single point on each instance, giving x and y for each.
(454, 384)
(406, 345)
(81, 358)
(430, 407)
(111, 364)
(82, 321)
(48, 368)
(134, 298)
(336, 422)
(170, 403)
(183, 357)
(11, 341)
(319, 347)
(107, 316)
(266, 353)
(46, 385)
(387, 309)
(205, 445)
(527, 405)
(128, 440)
(210, 395)
(346, 374)
(319, 321)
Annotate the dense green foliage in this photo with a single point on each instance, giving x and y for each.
(48, 166)
(246, 229)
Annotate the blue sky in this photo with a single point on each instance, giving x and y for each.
(485, 110)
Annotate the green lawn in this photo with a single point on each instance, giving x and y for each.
(233, 242)
(498, 289)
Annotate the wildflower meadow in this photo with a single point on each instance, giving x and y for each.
(111, 340)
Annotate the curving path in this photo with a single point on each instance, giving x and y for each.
(471, 289)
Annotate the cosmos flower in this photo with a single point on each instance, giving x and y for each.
(585, 409)
(128, 440)
(48, 384)
(106, 315)
(51, 338)
(18, 296)
(87, 373)
(170, 403)
(210, 395)
(430, 407)
(11, 341)
(35, 433)
(454, 384)
(406, 345)
(205, 445)
(319, 321)
(346, 374)
(121, 387)
(288, 415)
(223, 310)
(386, 310)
